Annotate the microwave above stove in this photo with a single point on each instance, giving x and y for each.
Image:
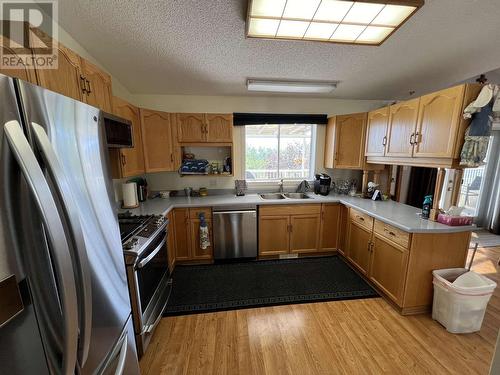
(118, 131)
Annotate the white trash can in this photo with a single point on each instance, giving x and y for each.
(460, 299)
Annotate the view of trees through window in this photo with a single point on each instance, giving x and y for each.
(279, 151)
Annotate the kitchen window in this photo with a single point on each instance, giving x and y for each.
(284, 151)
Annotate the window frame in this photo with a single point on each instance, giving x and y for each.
(286, 181)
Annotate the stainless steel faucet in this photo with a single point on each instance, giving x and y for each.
(281, 185)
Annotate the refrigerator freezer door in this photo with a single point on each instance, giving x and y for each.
(57, 241)
(77, 137)
(20, 334)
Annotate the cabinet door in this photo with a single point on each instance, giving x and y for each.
(66, 79)
(97, 86)
(304, 233)
(21, 71)
(376, 133)
(197, 253)
(157, 141)
(171, 241)
(343, 230)
(132, 159)
(274, 235)
(359, 247)
(401, 131)
(329, 232)
(349, 142)
(388, 268)
(191, 127)
(329, 143)
(438, 122)
(182, 234)
(219, 128)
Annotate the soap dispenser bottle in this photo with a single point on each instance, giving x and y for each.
(426, 208)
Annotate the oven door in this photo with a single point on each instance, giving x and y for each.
(151, 276)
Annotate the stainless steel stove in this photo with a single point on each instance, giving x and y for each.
(144, 240)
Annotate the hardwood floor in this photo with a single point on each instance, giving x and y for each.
(343, 337)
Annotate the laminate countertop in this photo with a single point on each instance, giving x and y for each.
(400, 215)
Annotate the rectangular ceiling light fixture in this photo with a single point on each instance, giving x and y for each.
(368, 22)
(298, 87)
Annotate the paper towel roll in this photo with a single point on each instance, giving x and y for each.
(129, 191)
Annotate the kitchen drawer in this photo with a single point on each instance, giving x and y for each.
(361, 218)
(290, 209)
(195, 212)
(394, 234)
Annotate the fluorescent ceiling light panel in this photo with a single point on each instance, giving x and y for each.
(321, 31)
(392, 15)
(347, 33)
(292, 29)
(299, 87)
(267, 8)
(372, 34)
(357, 22)
(301, 9)
(263, 27)
(332, 10)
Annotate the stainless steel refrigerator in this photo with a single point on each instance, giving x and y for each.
(64, 302)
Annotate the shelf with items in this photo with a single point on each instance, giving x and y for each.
(216, 157)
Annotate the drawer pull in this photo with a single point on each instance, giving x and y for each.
(392, 233)
(361, 218)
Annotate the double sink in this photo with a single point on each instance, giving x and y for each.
(277, 196)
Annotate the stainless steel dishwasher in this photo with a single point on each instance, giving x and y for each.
(235, 232)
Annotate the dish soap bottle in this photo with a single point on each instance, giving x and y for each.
(426, 208)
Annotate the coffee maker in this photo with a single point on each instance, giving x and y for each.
(322, 184)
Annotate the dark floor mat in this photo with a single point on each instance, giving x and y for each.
(218, 287)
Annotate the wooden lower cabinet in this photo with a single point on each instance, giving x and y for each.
(171, 240)
(343, 230)
(197, 253)
(330, 225)
(359, 246)
(182, 234)
(388, 266)
(304, 233)
(274, 235)
(187, 235)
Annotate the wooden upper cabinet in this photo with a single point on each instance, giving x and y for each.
(131, 159)
(274, 236)
(376, 133)
(330, 221)
(191, 127)
(401, 131)
(349, 141)
(304, 233)
(438, 122)
(157, 141)
(97, 86)
(22, 71)
(67, 78)
(330, 143)
(219, 128)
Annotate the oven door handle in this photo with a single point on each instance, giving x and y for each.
(145, 261)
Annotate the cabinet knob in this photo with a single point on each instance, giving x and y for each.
(82, 84)
(87, 82)
(412, 140)
(384, 141)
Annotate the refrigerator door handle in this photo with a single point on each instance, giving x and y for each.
(61, 258)
(71, 213)
(123, 356)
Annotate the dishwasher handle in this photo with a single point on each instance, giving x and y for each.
(234, 212)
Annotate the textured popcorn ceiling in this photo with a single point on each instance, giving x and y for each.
(199, 48)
